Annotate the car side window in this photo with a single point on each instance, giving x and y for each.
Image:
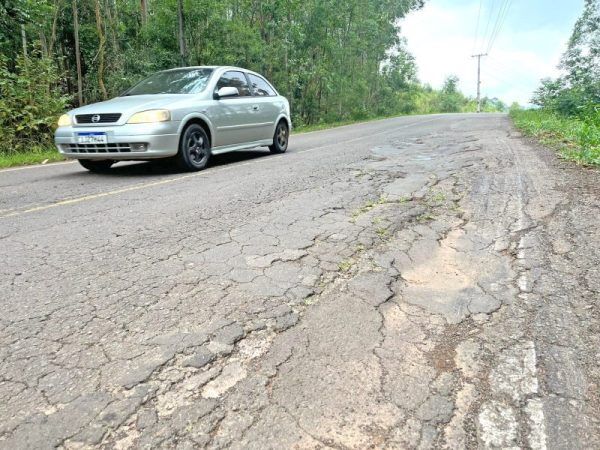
(260, 87)
(236, 80)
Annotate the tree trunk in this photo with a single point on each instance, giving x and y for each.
(101, 45)
(44, 44)
(181, 23)
(77, 53)
(53, 33)
(113, 25)
(144, 11)
(24, 40)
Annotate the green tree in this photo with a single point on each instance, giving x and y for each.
(577, 92)
(451, 100)
(581, 61)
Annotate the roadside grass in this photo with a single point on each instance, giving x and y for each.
(575, 139)
(35, 156)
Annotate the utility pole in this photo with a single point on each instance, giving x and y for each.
(479, 79)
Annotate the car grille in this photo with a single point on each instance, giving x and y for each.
(97, 148)
(102, 118)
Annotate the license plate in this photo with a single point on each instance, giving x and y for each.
(92, 138)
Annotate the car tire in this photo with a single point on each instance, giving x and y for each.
(281, 138)
(96, 166)
(194, 149)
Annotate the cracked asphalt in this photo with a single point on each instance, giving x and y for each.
(417, 282)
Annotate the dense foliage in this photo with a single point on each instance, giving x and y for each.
(569, 114)
(577, 91)
(30, 101)
(334, 59)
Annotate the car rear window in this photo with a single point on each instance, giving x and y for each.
(260, 87)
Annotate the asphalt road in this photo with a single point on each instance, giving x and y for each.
(419, 282)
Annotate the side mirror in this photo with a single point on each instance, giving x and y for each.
(227, 92)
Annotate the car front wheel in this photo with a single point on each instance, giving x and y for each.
(194, 149)
(281, 138)
(96, 166)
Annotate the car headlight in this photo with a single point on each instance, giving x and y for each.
(65, 121)
(151, 116)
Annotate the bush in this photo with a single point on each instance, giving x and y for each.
(30, 103)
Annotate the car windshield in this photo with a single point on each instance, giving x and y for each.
(180, 81)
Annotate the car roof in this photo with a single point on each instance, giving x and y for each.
(210, 67)
(215, 68)
(220, 68)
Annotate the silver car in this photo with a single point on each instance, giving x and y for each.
(187, 114)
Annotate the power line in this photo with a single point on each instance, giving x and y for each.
(493, 30)
(503, 9)
(489, 21)
(476, 40)
(502, 15)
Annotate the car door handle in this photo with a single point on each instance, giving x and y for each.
(255, 108)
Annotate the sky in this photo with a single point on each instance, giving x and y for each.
(528, 47)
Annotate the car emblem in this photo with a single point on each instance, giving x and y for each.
(96, 118)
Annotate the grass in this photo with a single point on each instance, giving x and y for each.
(36, 156)
(575, 139)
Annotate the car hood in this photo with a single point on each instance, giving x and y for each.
(132, 104)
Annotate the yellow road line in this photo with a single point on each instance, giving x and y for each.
(36, 166)
(84, 198)
(137, 187)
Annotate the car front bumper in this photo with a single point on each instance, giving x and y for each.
(124, 142)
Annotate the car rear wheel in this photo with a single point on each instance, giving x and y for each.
(281, 138)
(194, 149)
(96, 166)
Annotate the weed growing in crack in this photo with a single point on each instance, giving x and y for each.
(382, 200)
(456, 208)
(425, 217)
(374, 266)
(382, 232)
(437, 197)
(345, 266)
(362, 173)
(311, 300)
